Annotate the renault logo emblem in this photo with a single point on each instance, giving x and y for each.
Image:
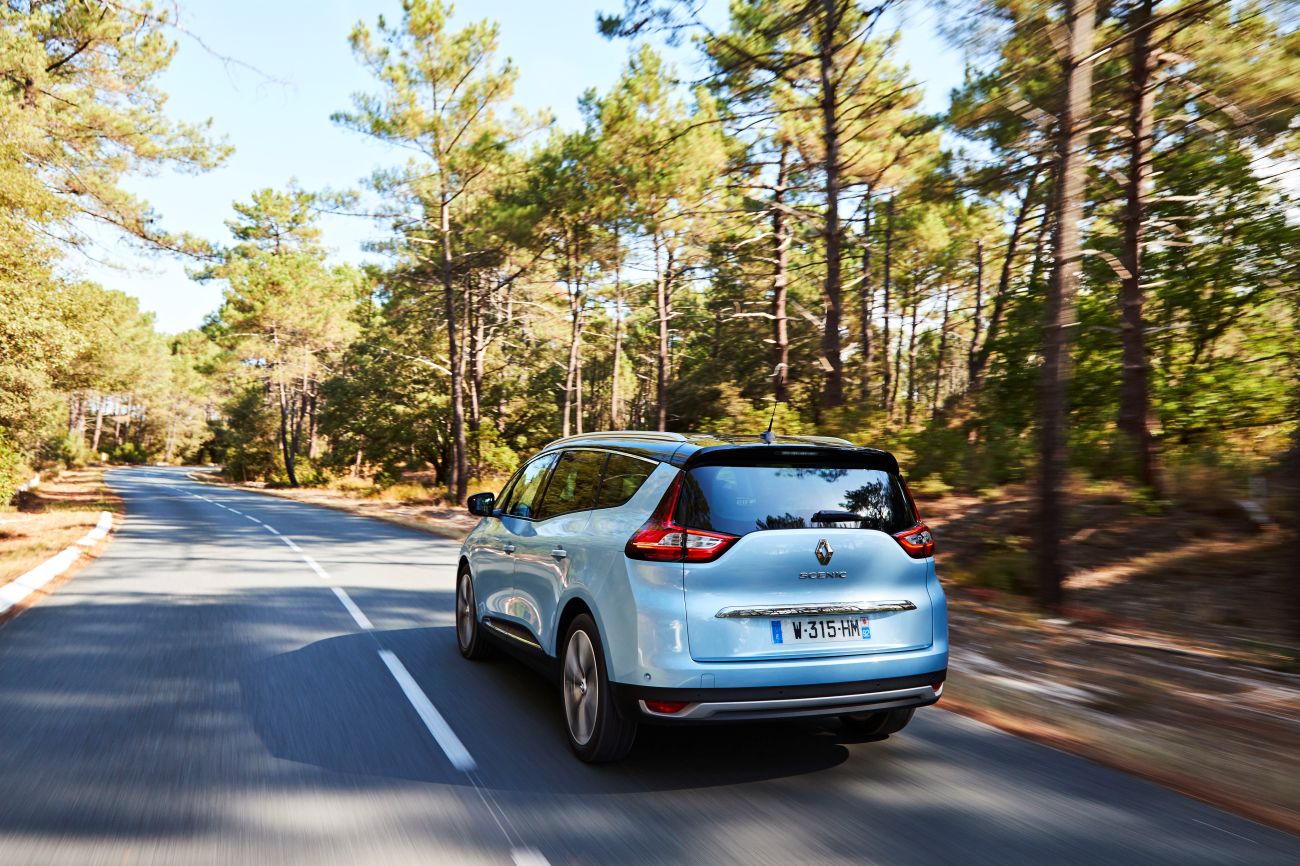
(824, 552)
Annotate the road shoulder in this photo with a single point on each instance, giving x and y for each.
(56, 529)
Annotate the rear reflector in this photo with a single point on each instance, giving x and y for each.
(666, 707)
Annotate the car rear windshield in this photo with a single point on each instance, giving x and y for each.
(743, 499)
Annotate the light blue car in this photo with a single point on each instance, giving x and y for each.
(672, 579)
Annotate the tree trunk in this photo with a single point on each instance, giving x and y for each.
(312, 403)
(898, 357)
(833, 393)
(458, 469)
(571, 367)
(476, 350)
(285, 450)
(866, 297)
(615, 398)
(979, 309)
(780, 284)
(1059, 322)
(911, 360)
(1134, 395)
(296, 423)
(99, 426)
(577, 392)
(943, 342)
(886, 401)
(980, 358)
(661, 353)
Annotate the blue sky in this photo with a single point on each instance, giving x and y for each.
(279, 121)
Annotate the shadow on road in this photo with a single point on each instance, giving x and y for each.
(310, 706)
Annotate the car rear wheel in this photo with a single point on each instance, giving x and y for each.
(469, 634)
(879, 724)
(598, 732)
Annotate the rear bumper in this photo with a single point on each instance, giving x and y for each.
(751, 704)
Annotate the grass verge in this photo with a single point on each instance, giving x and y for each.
(50, 518)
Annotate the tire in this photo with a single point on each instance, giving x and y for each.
(597, 731)
(469, 634)
(877, 725)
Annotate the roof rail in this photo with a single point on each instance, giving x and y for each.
(622, 434)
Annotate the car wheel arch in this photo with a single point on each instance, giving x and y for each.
(574, 607)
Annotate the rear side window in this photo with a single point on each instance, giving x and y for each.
(743, 499)
(573, 483)
(623, 478)
(521, 500)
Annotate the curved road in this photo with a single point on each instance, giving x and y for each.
(241, 679)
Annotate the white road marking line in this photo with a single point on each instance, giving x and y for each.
(271, 529)
(352, 608)
(252, 518)
(446, 738)
(528, 857)
(289, 541)
(235, 511)
(315, 567)
(1221, 830)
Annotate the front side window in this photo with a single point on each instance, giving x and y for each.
(573, 483)
(521, 499)
(743, 499)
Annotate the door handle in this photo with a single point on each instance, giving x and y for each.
(509, 548)
(559, 552)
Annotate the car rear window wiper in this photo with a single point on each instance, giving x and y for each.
(832, 516)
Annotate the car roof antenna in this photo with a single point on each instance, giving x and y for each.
(767, 435)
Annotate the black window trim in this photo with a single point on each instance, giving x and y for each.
(611, 451)
(546, 483)
(559, 455)
(541, 493)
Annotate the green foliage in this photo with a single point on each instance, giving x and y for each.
(12, 468)
(628, 270)
(69, 450)
(130, 454)
(249, 439)
(1008, 570)
(80, 109)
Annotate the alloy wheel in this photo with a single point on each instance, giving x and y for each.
(581, 687)
(465, 611)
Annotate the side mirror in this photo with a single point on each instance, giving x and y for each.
(481, 504)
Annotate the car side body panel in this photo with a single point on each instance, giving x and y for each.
(625, 604)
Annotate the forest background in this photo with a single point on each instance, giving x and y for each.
(1080, 275)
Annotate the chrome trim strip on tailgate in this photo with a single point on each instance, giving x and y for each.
(794, 707)
(816, 609)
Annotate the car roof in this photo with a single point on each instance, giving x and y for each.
(682, 448)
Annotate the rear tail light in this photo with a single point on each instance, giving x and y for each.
(665, 707)
(917, 541)
(662, 540)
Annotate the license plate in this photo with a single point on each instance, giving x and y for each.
(822, 629)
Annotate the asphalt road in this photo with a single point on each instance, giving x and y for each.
(203, 694)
